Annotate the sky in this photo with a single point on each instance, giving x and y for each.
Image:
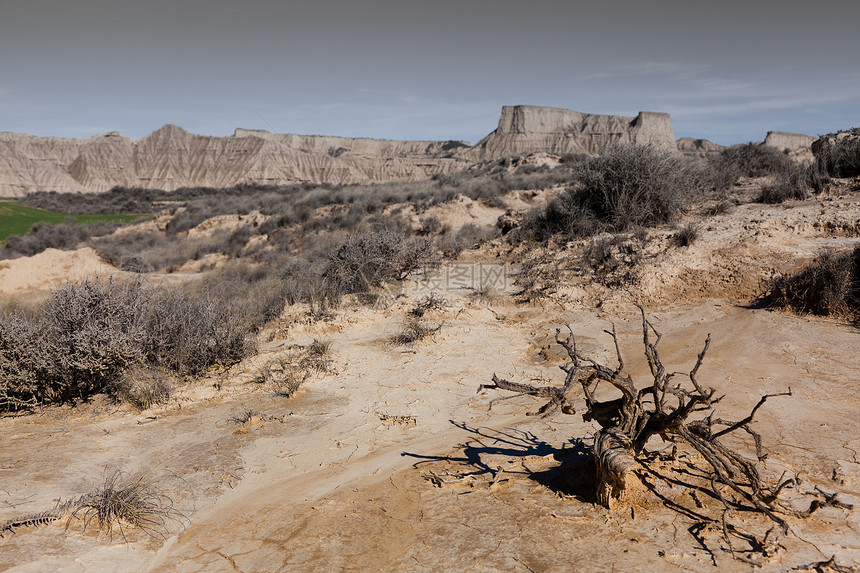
(726, 70)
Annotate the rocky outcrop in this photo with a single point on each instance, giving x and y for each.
(788, 141)
(698, 147)
(525, 128)
(171, 157)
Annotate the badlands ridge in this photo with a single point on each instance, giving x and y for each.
(171, 157)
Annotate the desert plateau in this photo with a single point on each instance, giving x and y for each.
(577, 345)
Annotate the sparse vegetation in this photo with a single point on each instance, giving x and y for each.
(289, 371)
(538, 278)
(367, 260)
(484, 293)
(613, 259)
(686, 235)
(828, 286)
(122, 502)
(719, 208)
(838, 155)
(88, 334)
(245, 416)
(318, 356)
(428, 303)
(627, 186)
(414, 330)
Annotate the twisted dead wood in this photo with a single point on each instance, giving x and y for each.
(663, 408)
(38, 519)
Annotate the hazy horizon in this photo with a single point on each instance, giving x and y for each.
(727, 72)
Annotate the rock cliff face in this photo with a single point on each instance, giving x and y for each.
(171, 157)
(790, 141)
(526, 128)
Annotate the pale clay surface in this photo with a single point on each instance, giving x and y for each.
(330, 481)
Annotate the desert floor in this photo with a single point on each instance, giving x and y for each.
(394, 461)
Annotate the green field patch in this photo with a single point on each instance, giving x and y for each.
(17, 219)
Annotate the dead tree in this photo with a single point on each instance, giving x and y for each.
(663, 408)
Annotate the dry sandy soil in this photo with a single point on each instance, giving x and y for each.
(394, 462)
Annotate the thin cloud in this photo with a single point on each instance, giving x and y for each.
(773, 103)
(674, 70)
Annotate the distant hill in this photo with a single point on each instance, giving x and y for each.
(171, 157)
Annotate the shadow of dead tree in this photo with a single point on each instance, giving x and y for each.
(495, 456)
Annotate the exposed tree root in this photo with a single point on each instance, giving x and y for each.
(663, 408)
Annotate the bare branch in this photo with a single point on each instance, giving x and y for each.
(749, 418)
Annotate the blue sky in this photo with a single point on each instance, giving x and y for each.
(726, 71)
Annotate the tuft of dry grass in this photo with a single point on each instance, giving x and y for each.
(123, 501)
(686, 235)
(484, 293)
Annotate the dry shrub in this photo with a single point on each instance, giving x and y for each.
(598, 254)
(838, 155)
(613, 258)
(625, 187)
(431, 226)
(289, 371)
(143, 387)
(26, 361)
(414, 330)
(246, 416)
(720, 208)
(634, 185)
(189, 332)
(318, 356)
(427, 303)
(828, 286)
(117, 200)
(367, 260)
(88, 334)
(790, 185)
(64, 236)
(484, 293)
(469, 236)
(285, 373)
(748, 160)
(538, 278)
(92, 332)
